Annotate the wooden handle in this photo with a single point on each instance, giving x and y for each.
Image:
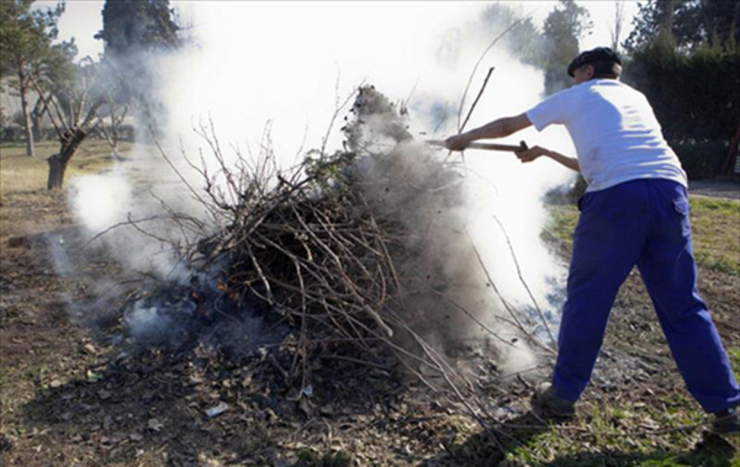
(487, 146)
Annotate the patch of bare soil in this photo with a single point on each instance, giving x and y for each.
(72, 394)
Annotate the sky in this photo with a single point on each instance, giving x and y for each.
(82, 19)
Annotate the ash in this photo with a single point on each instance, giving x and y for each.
(176, 318)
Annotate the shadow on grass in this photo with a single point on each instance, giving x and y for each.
(522, 434)
(711, 451)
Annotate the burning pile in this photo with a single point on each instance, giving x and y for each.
(364, 249)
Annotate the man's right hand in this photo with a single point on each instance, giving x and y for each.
(457, 142)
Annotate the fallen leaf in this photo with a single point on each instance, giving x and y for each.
(305, 406)
(155, 425)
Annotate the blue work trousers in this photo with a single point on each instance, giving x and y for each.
(643, 222)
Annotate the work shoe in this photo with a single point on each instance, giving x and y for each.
(549, 404)
(727, 422)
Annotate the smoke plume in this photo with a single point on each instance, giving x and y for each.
(275, 76)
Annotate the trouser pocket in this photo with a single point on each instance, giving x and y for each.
(682, 208)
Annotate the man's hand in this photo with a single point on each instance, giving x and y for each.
(536, 151)
(532, 153)
(457, 142)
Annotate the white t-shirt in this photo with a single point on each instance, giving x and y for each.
(615, 132)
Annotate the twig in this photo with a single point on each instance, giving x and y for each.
(524, 283)
(477, 98)
(477, 64)
(508, 308)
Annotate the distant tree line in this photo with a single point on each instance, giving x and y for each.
(684, 55)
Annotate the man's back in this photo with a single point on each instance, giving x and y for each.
(615, 132)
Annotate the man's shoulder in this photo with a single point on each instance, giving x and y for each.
(614, 84)
(575, 90)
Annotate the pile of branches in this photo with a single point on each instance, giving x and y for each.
(323, 247)
(318, 257)
(319, 246)
(306, 244)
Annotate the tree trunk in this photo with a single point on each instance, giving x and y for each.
(58, 162)
(23, 89)
(56, 172)
(37, 116)
(670, 10)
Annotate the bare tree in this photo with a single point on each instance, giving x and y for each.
(116, 111)
(37, 117)
(616, 30)
(78, 120)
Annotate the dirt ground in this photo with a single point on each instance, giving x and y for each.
(71, 396)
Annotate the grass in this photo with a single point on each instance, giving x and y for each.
(23, 180)
(609, 436)
(17, 383)
(734, 355)
(715, 223)
(19, 172)
(562, 223)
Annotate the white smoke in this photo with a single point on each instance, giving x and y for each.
(144, 322)
(289, 63)
(100, 201)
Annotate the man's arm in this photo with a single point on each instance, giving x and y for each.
(537, 151)
(495, 129)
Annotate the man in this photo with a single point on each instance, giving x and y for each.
(635, 211)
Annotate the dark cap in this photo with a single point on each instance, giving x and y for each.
(599, 54)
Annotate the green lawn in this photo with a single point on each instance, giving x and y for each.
(25, 201)
(715, 223)
(19, 172)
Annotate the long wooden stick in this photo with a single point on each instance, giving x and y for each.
(487, 146)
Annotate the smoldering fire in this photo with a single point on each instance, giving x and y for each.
(445, 225)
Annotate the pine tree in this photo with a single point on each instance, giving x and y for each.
(689, 23)
(135, 32)
(563, 29)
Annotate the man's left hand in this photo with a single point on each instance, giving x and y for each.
(531, 154)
